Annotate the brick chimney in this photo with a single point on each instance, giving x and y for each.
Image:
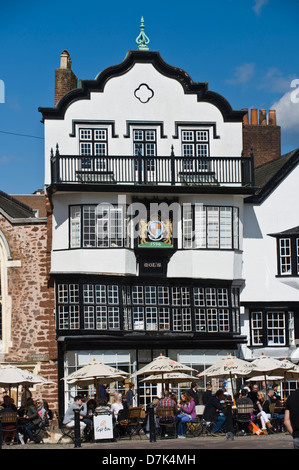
(65, 79)
(261, 136)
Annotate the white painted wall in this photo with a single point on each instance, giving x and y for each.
(277, 213)
(117, 102)
(201, 264)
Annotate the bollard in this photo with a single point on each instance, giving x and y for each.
(152, 427)
(77, 428)
(229, 423)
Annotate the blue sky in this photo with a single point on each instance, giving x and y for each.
(246, 50)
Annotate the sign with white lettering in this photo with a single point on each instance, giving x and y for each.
(103, 426)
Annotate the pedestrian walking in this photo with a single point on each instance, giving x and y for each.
(291, 417)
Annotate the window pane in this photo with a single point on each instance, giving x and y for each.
(225, 227)
(85, 134)
(213, 227)
(285, 256)
(89, 228)
(151, 318)
(276, 328)
(200, 226)
(75, 227)
(85, 148)
(187, 226)
(257, 328)
(138, 318)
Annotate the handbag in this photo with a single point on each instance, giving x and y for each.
(254, 428)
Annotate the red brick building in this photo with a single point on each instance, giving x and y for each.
(26, 295)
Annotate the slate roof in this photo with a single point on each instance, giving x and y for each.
(290, 231)
(14, 208)
(270, 175)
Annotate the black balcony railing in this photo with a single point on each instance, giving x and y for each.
(139, 170)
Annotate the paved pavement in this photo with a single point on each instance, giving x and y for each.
(142, 446)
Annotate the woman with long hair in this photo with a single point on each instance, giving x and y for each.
(34, 419)
(186, 414)
(264, 412)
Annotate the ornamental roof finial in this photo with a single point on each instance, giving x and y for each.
(142, 39)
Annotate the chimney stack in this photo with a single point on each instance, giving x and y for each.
(263, 117)
(261, 136)
(65, 79)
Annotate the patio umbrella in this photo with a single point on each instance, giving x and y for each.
(162, 365)
(169, 377)
(99, 380)
(228, 367)
(11, 376)
(270, 366)
(260, 378)
(96, 372)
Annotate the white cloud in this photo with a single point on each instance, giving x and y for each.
(287, 111)
(243, 74)
(258, 5)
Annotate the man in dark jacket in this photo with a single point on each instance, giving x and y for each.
(207, 395)
(214, 411)
(194, 393)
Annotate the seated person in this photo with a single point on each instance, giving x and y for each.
(103, 406)
(263, 412)
(214, 411)
(8, 403)
(167, 402)
(244, 400)
(69, 417)
(9, 428)
(117, 406)
(33, 418)
(187, 413)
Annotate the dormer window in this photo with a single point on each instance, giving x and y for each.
(287, 252)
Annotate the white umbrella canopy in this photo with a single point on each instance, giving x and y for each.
(98, 380)
(162, 365)
(227, 367)
(11, 376)
(292, 374)
(169, 377)
(271, 366)
(96, 370)
(261, 378)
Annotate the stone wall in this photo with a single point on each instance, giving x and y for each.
(30, 295)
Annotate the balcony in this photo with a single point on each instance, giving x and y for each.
(183, 174)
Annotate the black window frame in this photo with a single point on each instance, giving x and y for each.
(265, 330)
(294, 256)
(177, 309)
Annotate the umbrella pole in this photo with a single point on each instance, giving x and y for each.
(284, 386)
(231, 381)
(265, 382)
(97, 388)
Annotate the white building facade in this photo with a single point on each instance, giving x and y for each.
(271, 255)
(158, 243)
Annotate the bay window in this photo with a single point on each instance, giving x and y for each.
(210, 227)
